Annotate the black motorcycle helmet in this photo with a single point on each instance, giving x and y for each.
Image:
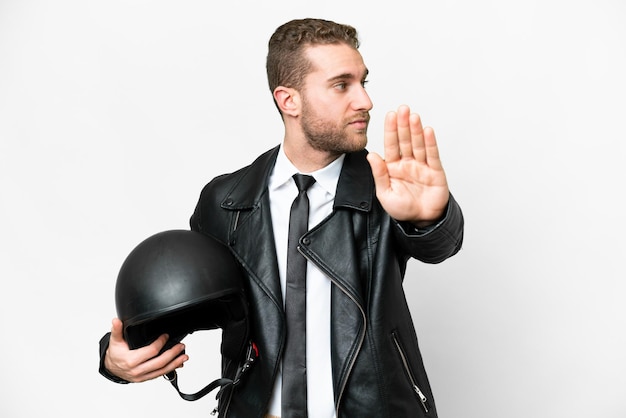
(181, 281)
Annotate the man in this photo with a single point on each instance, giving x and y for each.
(367, 217)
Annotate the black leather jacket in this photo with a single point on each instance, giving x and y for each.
(377, 366)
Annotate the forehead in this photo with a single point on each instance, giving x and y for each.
(331, 61)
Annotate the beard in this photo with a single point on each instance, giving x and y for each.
(333, 137)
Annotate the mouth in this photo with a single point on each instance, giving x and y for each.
(360, 123)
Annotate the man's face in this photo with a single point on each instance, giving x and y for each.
(335, 105)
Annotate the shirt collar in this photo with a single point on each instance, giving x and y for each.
(326, 177)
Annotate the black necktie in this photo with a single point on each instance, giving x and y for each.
(294, 356)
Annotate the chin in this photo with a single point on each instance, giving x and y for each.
(357, 146)
(360, 142)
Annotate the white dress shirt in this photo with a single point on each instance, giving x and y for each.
(282, 191)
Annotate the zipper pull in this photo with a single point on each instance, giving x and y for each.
(422, 398)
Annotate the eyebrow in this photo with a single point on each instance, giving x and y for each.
(347, 76)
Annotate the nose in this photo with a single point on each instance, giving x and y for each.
(362, 100)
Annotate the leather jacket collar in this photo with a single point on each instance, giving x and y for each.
(354, 190)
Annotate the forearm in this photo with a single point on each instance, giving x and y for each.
(436, 242)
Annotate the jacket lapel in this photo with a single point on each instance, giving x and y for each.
(337, 242)
(251, 236)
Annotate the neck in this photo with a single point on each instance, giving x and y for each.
(306, 158)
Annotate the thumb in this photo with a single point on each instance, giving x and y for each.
(117, 331)
(379, 171)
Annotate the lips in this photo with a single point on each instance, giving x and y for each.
(360, 122)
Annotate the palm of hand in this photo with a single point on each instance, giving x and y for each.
(410, 182)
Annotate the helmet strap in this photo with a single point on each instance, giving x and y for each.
(252, 354)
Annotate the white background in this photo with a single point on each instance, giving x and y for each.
(114, 114)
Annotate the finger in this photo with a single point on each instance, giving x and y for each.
(404, 132)
(158, 344)
(176, 364)
(392, 150)
(432, 150)
(168, 361)
(379, 171)
(417, 138)
(152, 351)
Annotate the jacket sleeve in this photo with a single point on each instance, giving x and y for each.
(436, 243)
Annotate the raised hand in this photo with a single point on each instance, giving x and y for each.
(410, 181)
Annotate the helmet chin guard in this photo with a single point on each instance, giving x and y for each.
(178, 282)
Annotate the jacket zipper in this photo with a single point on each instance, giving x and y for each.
(407, 369)
(358, 349)
(362, 337)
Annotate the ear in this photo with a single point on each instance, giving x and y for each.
(288, 100)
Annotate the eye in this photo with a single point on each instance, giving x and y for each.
(341, 85)
(364, 83)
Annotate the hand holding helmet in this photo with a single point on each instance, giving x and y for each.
(143, 363)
